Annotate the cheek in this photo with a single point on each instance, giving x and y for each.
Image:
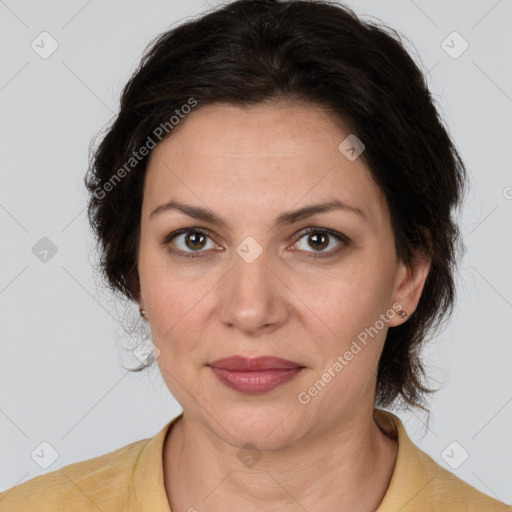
(354, 296)
(351, 307)
(351, 347)
(175, 306)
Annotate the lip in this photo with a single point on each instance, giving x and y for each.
(254, 376)
(245, 364)
(255, 382)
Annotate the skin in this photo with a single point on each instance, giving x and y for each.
(248, 165)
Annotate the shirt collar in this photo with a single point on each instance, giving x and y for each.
(413, 471)
(148, 492)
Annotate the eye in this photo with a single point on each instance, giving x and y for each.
(189, 241)
(319, 239)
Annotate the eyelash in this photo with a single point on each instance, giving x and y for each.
(195, 254)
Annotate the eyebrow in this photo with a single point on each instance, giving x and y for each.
(285, 218)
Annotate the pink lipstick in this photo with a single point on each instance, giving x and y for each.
(254, 376)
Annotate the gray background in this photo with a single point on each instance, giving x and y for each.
(61, 375)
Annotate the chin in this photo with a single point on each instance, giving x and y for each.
(266, 427)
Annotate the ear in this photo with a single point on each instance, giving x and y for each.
(140, 304)
(410, 281)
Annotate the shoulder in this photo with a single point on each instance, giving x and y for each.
(101, 483)
(419, 483)
(450, 493)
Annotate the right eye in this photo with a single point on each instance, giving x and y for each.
(189, 241)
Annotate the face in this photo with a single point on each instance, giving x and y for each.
(319, 290)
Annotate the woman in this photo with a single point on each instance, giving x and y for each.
(276, 195)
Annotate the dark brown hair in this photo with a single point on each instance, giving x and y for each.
(318, 52)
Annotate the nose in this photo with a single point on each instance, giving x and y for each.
(253, 297)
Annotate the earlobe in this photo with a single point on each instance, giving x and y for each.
(142, 310)
(140, 303)
(411, 283)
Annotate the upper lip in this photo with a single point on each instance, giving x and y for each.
(244, 364)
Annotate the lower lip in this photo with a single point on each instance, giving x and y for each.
(255, 382)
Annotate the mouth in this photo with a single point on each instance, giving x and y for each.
(254, 376)
(245, 364)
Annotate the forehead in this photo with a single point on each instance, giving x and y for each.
(279, 154)
(275, 129)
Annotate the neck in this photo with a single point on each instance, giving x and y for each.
(348, 467)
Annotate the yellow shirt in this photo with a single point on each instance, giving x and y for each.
(131, 479)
